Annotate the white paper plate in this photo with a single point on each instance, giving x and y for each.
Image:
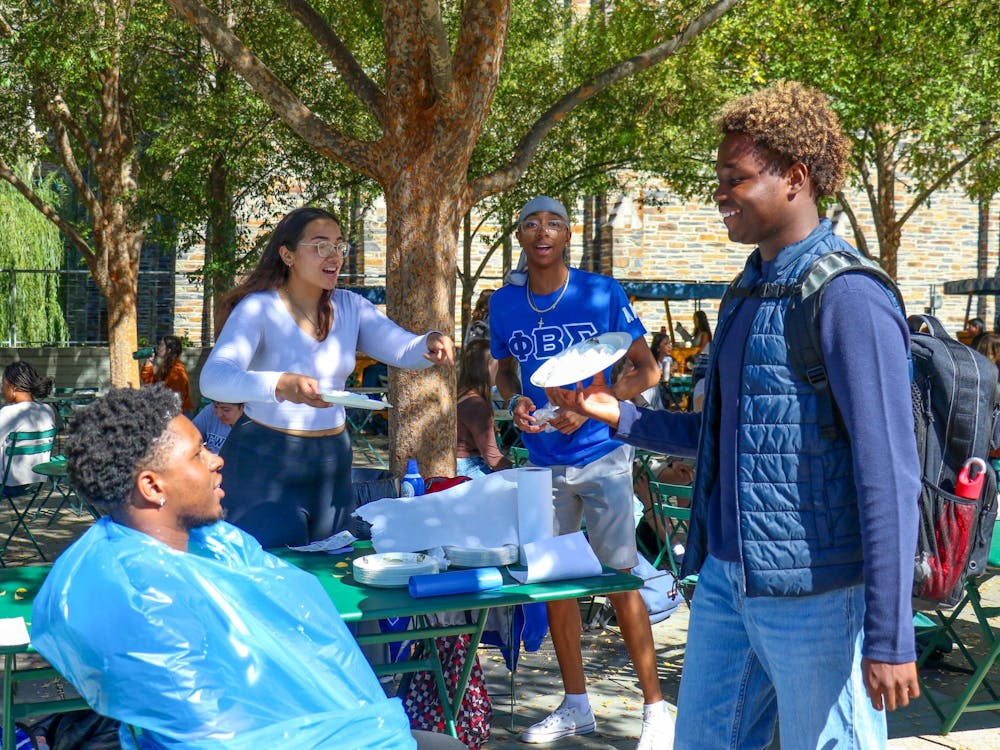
(580, 361)
(355, 400)
(392, 569)
(481, 557)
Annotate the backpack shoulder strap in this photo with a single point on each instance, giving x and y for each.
(802, 337)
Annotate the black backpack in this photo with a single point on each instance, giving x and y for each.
(956, 403)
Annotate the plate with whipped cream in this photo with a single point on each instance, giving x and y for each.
(582, 360)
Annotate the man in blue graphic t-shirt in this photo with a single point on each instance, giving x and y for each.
(556, 307)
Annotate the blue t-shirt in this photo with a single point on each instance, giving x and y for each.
(213, 431)
(593, 304)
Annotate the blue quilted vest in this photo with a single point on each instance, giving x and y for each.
(785, 462)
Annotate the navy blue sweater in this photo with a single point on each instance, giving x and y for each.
(879, 421)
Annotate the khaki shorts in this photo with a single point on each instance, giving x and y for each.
(601, 492)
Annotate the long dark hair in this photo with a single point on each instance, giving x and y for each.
(701, 324)
(474, 369)
(173, 346)
(271, 271)
(654, 345)
(24, 377)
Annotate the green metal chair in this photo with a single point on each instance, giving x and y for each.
(518, 456)
(24, 444)
(938, 636)
(672, 520)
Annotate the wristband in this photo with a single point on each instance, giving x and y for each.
(513, 402)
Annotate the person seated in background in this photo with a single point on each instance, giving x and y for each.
(661, 346)
(699, 367)
(22, 385)
(479, 321)
(476, 450)
(215, 421)
(973, 331)
(668, 471)
(698, 340)
(170, 371)
(702, 335)
(989, 346)
(651, 398)
(172, 621)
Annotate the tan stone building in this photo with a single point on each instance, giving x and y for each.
(686, 241)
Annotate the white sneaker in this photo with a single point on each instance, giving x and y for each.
(562, 722)
(657, 731)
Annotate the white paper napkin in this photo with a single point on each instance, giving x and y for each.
(481, 513)
(558, 558)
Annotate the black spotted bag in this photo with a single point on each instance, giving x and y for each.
(422, 704)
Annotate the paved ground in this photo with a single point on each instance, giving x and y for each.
(617, 701)
(614, 693)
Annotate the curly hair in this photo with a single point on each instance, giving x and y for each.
(117, 436)
(796, 124)
(23, 377)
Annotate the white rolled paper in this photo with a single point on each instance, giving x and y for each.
(535, 515)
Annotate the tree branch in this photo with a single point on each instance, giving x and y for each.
(64, 148)
(506, 176)
(859, 236)
(353, 74)
(478, 57)
(438, 50)
(355, 154)
(946, 176)
(61, 110)
(67, 229)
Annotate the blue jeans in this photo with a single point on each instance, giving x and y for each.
(752, 660)
(473, 467)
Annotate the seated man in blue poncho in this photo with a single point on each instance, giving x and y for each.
(178, 624)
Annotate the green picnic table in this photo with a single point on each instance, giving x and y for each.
(354, 601)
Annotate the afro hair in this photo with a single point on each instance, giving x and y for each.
(796, 124)
(114, 438)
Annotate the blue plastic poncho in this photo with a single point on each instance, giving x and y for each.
(222, 646)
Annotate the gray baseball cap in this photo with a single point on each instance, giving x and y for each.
(543, 203)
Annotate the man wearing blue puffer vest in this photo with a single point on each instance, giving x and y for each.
(803, 537)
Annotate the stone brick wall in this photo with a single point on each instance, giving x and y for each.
(685, 240)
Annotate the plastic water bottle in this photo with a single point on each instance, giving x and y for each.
(970, 479)
(412, 483)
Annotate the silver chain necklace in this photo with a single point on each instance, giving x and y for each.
(298, 309)
(550, 308)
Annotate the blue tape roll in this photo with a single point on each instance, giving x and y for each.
(455, 582)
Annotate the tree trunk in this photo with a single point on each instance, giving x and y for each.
(983, 252)
(220, 246)
(421, 247)
(122, 341)
(887, 228)
(114, 266)
(468, 282)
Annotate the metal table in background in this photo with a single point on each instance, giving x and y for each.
(356, 424)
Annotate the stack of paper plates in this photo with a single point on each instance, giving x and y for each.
(478, 557)
(392, 569)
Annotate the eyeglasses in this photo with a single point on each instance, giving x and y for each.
(325, 248)
(552, 225)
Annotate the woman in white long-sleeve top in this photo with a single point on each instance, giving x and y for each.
(288, 335)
